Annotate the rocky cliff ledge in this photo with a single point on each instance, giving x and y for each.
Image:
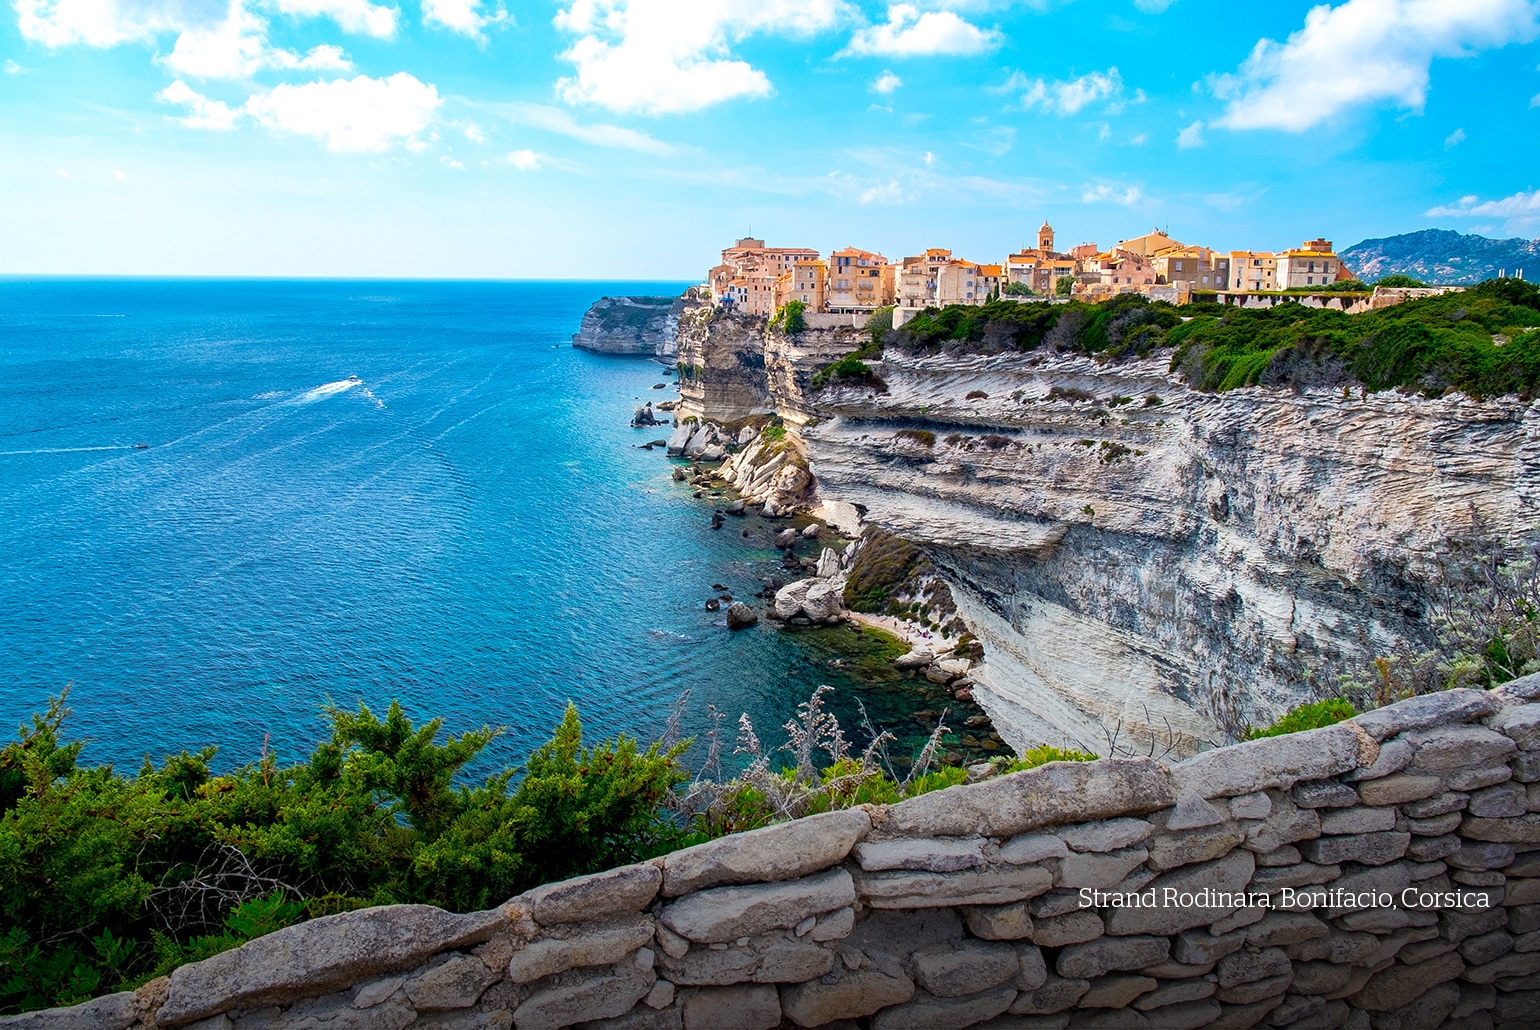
(631, 325)
(1140, 559)
(1381, 872)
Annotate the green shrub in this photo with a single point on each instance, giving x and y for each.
(1044, 754)
(1306, 717)
(1399, 281)
(923, 437)
(790, 318)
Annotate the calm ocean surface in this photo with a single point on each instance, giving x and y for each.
(468, 527)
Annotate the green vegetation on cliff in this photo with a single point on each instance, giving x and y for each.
(1483, 342)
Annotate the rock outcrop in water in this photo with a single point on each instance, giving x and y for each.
(631, 325)
(1138, 558)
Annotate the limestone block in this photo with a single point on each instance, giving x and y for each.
(1111, 954)
(1439, 804)
(1524, 829)
(1400, 984)
(1390, 879)
(1436, 826)
(847, 994)
(1116, 991)
(1104, 836)
(1517, 1008)
(1473, 779)
(321, 955)
(924, 1012)
(1199, 947)
(1474, 998)
(1394, 756)
(109, 1012)
(1431, 849)
(600, 996)
(1251, 806)
(1319, 977)
(1175, 993)
(999, 922)
(1367, 848)
(458, 983)
(742, 1008)
(832, 926)
(903, 889)
(613, 892)
(964, 967)
(1287, 825)
(1246, 966)
(1256, 990)
(1522, 724)
(1271, 762)
(1457, 747)
(330, 1011)
(1171, 969)
(780, 852)
(1032, 972)
(599, 945)
(1486, 947)
(1169, 850)
(929, 854)
(1278, 928)
(1058, 792)
(1341, 949)
(1324, 794)
(1297, 1007)
(1185, 1016)
(1455, 925)
(1361, 820)
(1426, 711)
(1229, 874)
(1055, 903)
(1241, 917)
(1526, 766)
(1055, 995)
(1190, 813)
(1512, 964)
(1481, 855)
(1522, 892)
(1032, 847)
(726, 913)
(1300, 875)
(1398, 789)
(1507, 799)
(1286, 855)
(1100, 871)
(1072, 928)
(767, 959)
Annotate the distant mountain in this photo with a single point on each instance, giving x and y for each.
(1443, 256)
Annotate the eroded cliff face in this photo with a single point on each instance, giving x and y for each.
(631, 325)
(1147, 573)
(1195, 563)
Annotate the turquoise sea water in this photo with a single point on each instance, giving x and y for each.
(468, 526)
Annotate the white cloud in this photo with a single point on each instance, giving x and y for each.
(1139, 139)
(450, 162)
(237, 48)
(1069, 96)
(359, 16)
(1454, 139)
(525, 160)
(1153, 6)
(1101, 193)
(1522, 207)
(462, 16)
(12, 68)
(1364, 52)
(358, 115)
(203, 113)
(930, 159)
(887, 82)
(474, 134)
(615, 137)
(910, 33)
(1534, 101)
(120, 175)
(890, 192)
(1191, 137)
(672, 56)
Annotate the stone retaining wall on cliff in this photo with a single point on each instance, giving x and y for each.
(977, 905)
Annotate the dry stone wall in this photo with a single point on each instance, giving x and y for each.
(1381, 873)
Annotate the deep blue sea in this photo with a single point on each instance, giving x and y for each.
(468, 526)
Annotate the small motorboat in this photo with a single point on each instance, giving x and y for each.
(141, 446)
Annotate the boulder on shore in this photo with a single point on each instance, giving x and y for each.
(740, 615)
(644, 416)
(816, 600)
(785, 538)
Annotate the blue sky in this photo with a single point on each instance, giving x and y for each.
(629, 139)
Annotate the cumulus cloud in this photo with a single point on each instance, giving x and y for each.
(1069, 96)
(910, 33)
(1363, 52)
(237, 48)
(1102, 193)
(615, 137)
(671, 56)
(358, 16)
(1454, 139)
(524, 160)
(462, 16)
(1521, 207)
(358, 115)
(109, 23)
(890, 192)
(1190, 137)
(887, 82)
